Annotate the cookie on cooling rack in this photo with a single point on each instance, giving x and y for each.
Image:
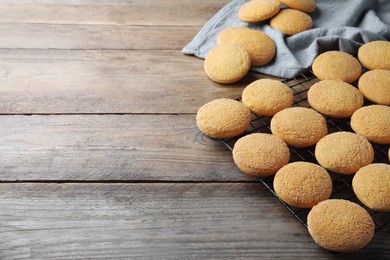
(227, 63)
(375, 55)
(299, 126)
(260, 47)
(375, 86)
(260, 154)
(302, 184)
(335, 98)
(266, 97)
(223, 118)
(371, 185)
(291, 21)
(337, 65)
(372, 122)
(302, 5)
(340, 225)
(258, 10)
(344, 152)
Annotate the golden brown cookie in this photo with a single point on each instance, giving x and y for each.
(335, 98)
(226, 35)
(344, 152)
(258, 10)
(223, 118)
(371, 185)
(340, 225)
(266, 97)
(303, 184)
(227, 63)
(375, 55)
(260, 47)
(299, 126)
(337, 65)
(372, 122)
(260, 154)
(302, 5)
(291, 21)
(375, 86)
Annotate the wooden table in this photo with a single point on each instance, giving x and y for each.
(100, 156)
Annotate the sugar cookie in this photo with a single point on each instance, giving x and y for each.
(372, 122)
(302, 5)
(371, 185)
(260, 154)
(344, 152)
(375, 86)
(260, 47)
(227, 34)
(258, 10)
(335, 98)
(340, 225)
(337, 65)
(375, 55)
(291, 21)
(266, 97)
(223, 118)
(227, 63)
(302, 184)
(299, 126)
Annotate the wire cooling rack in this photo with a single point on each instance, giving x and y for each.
(342, 184)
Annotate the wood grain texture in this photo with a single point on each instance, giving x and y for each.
(52, 36)
(111, 147)
(139, 12)
(158, 221)
(63, 81)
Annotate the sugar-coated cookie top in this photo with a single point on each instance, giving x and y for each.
(291, 21)
(302, 5)
(371, 185)
(375, 55)
(258, 10)
(337, 65)
(340, 225)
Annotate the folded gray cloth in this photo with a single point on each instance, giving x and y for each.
(338, 25)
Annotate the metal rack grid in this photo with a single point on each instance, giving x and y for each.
(342, 184)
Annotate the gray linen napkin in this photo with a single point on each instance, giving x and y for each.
(338, 25)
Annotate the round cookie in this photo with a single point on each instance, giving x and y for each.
(260, 47)
(260, 154)
(303, 184)
(299, 126)
(227, 63)
(266, 97)
(258, 10)
(226, 35)
(223, 118)
(340, 225)
(335, 98)
(337, 65)
(375, 86)
(372, 122)
(344, 152)
(375, 55)
(371, 185)
(291, 21)
(302, 5)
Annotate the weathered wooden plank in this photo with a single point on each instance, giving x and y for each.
(160, 221)
(139, 12)
(111, 147)
(52, 36)
(64, 81)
